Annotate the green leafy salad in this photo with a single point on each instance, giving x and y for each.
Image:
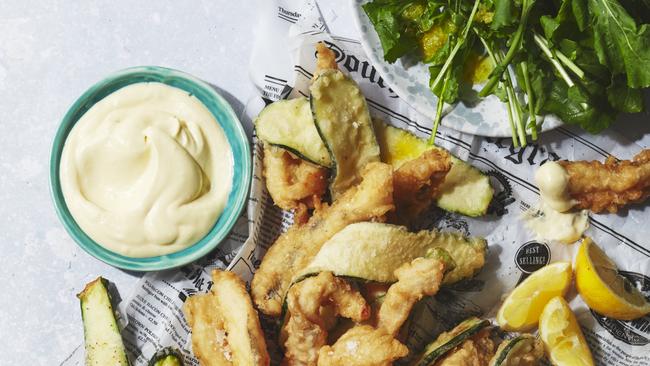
(585, 61)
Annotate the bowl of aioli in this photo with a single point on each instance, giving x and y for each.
(150, 169)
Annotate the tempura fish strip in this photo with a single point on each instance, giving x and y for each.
(421, 277)
(417, 182)
(306, 328)
(209, 342)
(293, 183)
(611, 185)
(295, 249)
(362, 345)
(225, 328)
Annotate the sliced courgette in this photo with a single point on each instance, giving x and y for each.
(289, 124)
(373, 251)
(104, 346)
(523, 350)
(343, 122)
(167, 357)
(449, 340)
(466, 189)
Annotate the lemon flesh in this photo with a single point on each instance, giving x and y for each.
(603, 289)
(521, 309)
(562, 336)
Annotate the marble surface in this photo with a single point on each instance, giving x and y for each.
(50, 52)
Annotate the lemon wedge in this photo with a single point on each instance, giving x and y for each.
(603, 289)
(520, 311)
(562, 336)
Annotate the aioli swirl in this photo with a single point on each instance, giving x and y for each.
(146, 171)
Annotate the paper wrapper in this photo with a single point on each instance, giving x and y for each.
(282, 63)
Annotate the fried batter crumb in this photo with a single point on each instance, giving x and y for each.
(293, 183)
(311, 305)
(417, 183)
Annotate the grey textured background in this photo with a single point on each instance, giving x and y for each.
(50, 53)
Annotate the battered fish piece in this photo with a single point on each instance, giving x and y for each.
(476, 351)
(417, 183)
(209, 343)
(421, 277)
(293, 250)
(325, 60)
(362, 345)
(294, 183)
(225, 328)
(611, 185)
(311, 303)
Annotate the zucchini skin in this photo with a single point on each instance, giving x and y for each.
(342, 119)
(167, 356)
(464, 330)
(511, 346)
(103, 341)
(289, 124)
(466, 190)
(380, 248)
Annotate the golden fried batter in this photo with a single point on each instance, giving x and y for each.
(307, 301)
(325, 60)
(421, 277)
(609, 186)
(293, 250)
(527, 352)
(476, 351)
(416, 184)
(362, 345)
(225, 328)
(294, 183)
(209, 342)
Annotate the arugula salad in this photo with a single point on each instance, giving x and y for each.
(585, 61)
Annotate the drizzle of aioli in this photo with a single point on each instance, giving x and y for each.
(146, 171)
(551, 219)
(552, 181)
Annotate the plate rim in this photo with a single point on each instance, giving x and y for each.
(357, 14)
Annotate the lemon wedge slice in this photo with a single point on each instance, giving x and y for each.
(603, 289)
(520, 311)
(562, 336)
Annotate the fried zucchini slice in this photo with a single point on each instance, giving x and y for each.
(343, 122)
(373, 251)
(289, 124)
(465, 189)
(523, 350)
(450, 340)
(167, 357)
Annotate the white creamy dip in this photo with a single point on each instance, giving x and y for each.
(146, 171)
(551, 219)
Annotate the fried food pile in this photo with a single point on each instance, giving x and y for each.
(334, 321)
(322, 161)
(610, 185)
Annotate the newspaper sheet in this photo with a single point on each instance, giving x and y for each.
(282, 63)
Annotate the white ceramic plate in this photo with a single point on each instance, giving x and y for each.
(486, 117)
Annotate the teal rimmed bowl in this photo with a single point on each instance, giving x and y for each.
(235, 135)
